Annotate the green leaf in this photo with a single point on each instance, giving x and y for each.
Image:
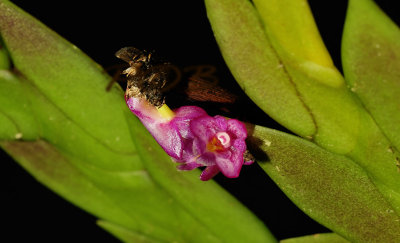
(8, 129)
(254, 64)
(341, 123)
(294, 34)
(126, 235)
(90, 149)
(50, 167)
(317, 238)
(4, 59)
(371, 63)
(18, 121)
(286, 87)
(63, 73)
(330, 188)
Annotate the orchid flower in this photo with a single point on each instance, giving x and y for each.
(189, 135)
(193, 138)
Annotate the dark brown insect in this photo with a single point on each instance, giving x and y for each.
(146, 76)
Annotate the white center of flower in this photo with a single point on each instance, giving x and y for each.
(224, 138)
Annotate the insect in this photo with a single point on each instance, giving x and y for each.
(156, 80)
(146, 76)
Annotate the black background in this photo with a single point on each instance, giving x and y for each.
(179, 31)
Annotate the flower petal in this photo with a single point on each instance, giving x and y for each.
(169, 139)
(222, 122)
(183, 116)
(204, 127)
(237, 128)
(144, 110)
(239, 145)
(209, 173)
(188, 166)
(189, 112)
(207, 159)
(231, 165)
(164, 132)
(199, 146)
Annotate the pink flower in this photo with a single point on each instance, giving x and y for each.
(220, 144)
(194, 139)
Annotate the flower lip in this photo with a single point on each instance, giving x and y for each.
(224, 138)
(215, 145)
(220, 142)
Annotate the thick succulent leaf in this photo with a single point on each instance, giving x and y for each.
(126, 235)
(376, 155)
(371, 63)
(308, 86)
(345, 127)
(255, 65)
(8, 129)
(61, 131)
(75, 146)
(317, 238)
(50, 167)
(331, 188)
(145, 208)
(4, 59)
(32, 46)
(16, 109)
(327, 105)
(294, 32)
(341, 123)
